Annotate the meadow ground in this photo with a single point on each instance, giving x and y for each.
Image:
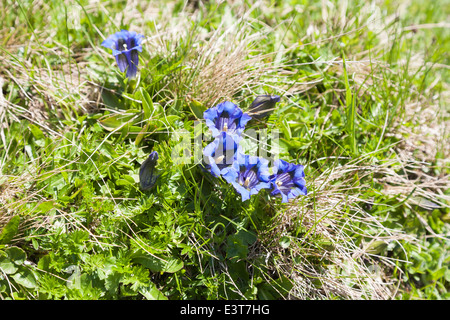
(364, 107)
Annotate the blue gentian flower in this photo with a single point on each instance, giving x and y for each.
(147, 172)
(288, 180)
(263, 105)
(220, 153)
(248, 175)
(125, 46)
(226, 117)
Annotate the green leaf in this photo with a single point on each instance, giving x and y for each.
(150, 262)
(173, 265)
(162, 124)
(123, 182)
(111, 99)
(10, 230)
(285, 242)
(45, 207)
(129, 178)
(16, 255)
(286, 129)
(25, 278)
(274, 289)
(37, 133)
(436, 275)
(151, 292)
(238, 244)
(447, 275)
(197, 109)
(141, 134)
(156, 264)
(264, 292)
(44, 263)
(116, 121)
(350, 110)
(112, 281)
(147, 104)
(7, 265)
(376, 247)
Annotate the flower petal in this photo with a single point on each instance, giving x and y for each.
(226, 117)
(220, 153)
(287, 180)
(263, 105)
(125, 48)
(147, 175)
(109, 43)
(133, 60)
(245, 175)
(122, 62)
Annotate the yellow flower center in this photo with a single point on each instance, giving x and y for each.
(219, 159)
(247, 182)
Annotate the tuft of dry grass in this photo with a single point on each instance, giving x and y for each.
(324, 261)
(222, 66)
(218, 64)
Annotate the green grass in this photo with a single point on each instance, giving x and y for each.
(364, 108)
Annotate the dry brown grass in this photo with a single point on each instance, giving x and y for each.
(219, 64)
(222, 66)
(325, 261)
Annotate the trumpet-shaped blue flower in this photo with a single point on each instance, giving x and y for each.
(226, 117)
(147, 172)
(220, 153)
(263, 105)
(248, 175)
(288, 180)
(125, 46)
